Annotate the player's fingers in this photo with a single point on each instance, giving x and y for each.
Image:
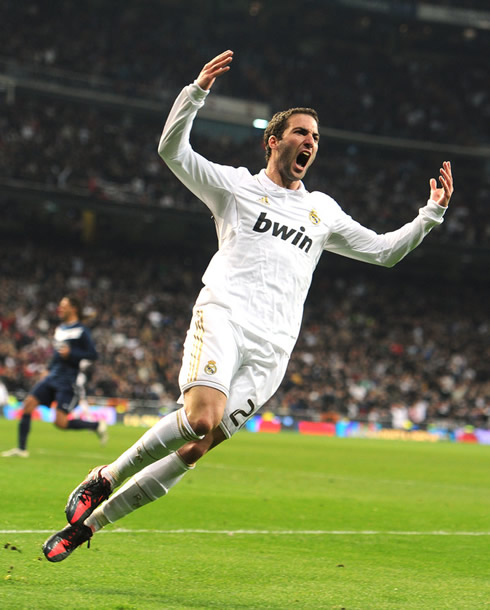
(214, 68)
(447, 171)
(219, 61)
(226, 53)
(446, 180)
(446, 168)
(222, 65)
(212, 71)
(432, 184)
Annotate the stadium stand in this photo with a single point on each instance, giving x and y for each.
(370, 344)
(396, 95)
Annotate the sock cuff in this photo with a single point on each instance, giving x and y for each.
(97, 520)
(185, 466)
(184, 426)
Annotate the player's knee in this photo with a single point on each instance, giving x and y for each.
(61, 420)
(192, 452)
(29, 405)
(204, 409)
(203, 423)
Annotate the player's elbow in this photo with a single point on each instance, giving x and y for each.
(391, 263)
(390, 257)
(166, 147)
(384, 260)
(161, 148)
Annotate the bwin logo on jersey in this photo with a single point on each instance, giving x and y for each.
(298, 238)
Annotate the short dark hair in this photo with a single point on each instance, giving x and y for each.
(76, 304)
(277, 125)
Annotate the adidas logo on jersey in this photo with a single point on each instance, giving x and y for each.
(295, 237)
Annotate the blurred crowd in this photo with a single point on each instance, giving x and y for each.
(367, 72)
(101, 154)
(384, 348)
(363, 71)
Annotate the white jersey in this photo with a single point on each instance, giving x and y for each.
(271, 238)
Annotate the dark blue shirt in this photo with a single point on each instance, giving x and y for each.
(77, 338)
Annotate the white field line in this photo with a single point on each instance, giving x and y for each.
(266, 532)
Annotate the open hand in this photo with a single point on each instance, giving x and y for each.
(216, 67)
(442, 195)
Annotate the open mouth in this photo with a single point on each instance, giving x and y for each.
(303, 158)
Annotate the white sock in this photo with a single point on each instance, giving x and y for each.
(96, 521)
(165, 437)
(144, 487)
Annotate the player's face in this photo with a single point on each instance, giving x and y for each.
(297, 149)
(65, 310)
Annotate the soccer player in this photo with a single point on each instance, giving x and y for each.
(247, 317)
(74, 352)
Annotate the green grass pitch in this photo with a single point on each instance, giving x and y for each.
(265, 521)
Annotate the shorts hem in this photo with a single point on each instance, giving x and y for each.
(208, 384)
(224, 429)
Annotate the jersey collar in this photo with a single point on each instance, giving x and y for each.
(269, 185)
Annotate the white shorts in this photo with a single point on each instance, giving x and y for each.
(222, 355)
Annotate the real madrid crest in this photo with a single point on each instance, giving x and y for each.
(210, 367)
(314, 218)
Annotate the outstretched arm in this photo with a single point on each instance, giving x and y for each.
(214, 68)
(442, 195)
(210, 182)
(176, 132)
(351, 239)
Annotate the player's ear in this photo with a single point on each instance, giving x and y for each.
(272, 141)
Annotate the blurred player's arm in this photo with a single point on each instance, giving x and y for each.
(84, 370)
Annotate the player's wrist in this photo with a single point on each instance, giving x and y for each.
(196, 92)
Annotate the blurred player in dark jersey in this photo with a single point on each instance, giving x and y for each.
(64, 382)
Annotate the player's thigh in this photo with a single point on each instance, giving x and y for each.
(204, 407)
(43, 393)
(30, 403)
(212, 351)
(66, 399)
(61, 418)
(254, 384)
